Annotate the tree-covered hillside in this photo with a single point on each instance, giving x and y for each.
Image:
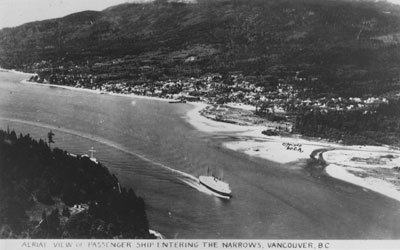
(46, 193)
(307, 58)
(336, 41)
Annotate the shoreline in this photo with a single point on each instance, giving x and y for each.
(95, 91)
(374, 184)
(275, 148)
(279, 149)
(17, 72)
(374, 169)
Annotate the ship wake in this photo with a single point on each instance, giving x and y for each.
(184, 177)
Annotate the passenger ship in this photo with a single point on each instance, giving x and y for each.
(216, 185)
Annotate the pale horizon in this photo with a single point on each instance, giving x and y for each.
(17, 12)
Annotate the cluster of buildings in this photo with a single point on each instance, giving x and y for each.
(325, 104)
(279, 98)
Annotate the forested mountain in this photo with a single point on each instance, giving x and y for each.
(333, 40)
(309, 57)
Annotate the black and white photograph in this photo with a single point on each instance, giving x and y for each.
(199, 124)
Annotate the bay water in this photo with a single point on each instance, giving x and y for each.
(151, 148)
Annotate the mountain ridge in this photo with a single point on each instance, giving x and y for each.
(255, 37)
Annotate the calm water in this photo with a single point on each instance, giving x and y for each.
(151, 148)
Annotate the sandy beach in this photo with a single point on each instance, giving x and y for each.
(377, 163)
(253, 142)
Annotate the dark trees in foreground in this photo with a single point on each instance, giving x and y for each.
(39, 188)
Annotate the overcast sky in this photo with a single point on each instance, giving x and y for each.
(17, 12)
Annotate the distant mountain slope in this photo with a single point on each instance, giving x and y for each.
(338, 39)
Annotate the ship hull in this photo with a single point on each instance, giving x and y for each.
(225, 195)
(218, 187)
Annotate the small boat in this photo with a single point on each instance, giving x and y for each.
(216, 185)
